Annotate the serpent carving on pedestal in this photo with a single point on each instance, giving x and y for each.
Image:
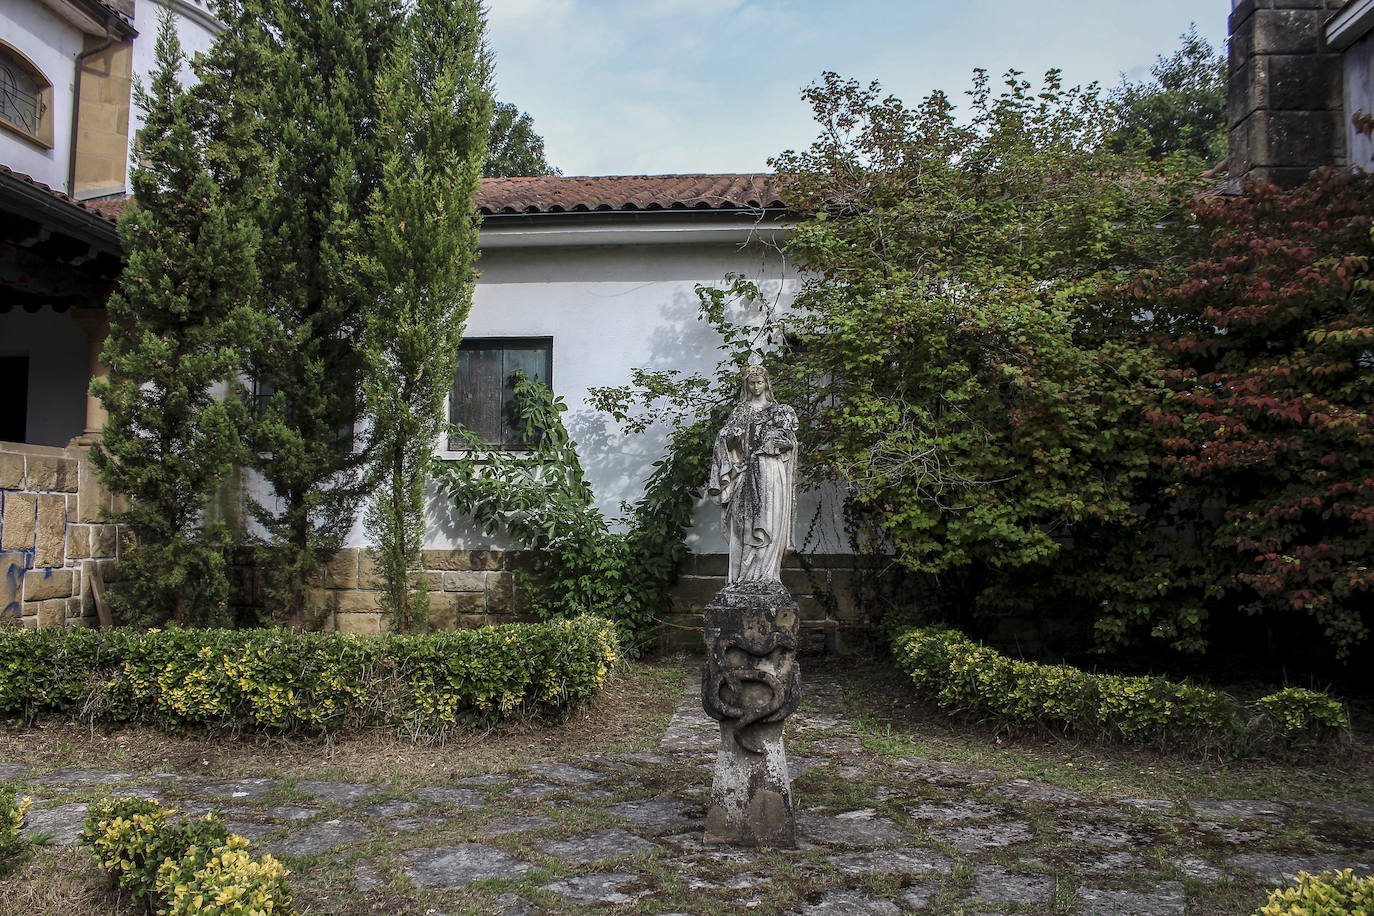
(769, 662)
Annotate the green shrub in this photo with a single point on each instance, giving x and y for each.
(961, 675)
(288, 682)
(183, 867)
(1296, 715)
(1337, 893)
(12, 840)
(223, 881)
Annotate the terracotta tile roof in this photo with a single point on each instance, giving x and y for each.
(100, 209)
(110, 209)
(560, 194)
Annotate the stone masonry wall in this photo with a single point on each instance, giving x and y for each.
(473, 588)
(831, 591)
(467, 588)
(52, 535)
(1285, 112)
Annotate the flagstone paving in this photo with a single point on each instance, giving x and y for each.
(623, 833)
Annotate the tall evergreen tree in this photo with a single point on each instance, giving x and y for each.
(319, 120)
(435, 105)
(175, 323)
(513, 148)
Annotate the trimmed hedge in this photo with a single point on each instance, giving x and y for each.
(1338, 893)
(287, 682)
(963, 676)
(179, 868)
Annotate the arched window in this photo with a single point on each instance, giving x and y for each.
(25, 97)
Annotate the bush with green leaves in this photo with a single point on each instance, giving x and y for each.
(1296, 714)
(1330, 893)
(182, 866)
(963, 676)
(12, 840)
(282, 681)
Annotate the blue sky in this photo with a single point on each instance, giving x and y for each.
(629, 87)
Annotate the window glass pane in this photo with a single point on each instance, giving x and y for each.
(18, 96)
(533, 361)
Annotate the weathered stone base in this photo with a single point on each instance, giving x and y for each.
(751, 683)
(751, 794)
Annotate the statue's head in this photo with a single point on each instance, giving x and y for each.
(753, 381)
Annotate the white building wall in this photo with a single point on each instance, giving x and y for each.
(51, 44)
(611, 309)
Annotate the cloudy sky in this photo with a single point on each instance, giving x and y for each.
(630, 87)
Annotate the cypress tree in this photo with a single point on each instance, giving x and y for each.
(435, 104)
(319, 123)
(176, 320)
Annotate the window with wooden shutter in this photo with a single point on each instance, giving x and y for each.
(483, 396)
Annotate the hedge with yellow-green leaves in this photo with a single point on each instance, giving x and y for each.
(284, 681)
(963, 676)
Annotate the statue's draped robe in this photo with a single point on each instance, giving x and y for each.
(752, 471)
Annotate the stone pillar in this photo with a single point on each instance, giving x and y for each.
(96, 324)
(751, 683)
(1284, 108)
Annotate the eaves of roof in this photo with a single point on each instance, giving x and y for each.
(21, 194)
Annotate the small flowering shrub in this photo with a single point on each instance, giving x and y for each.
(183, 867)
(12, 810)
(1338, 893)
(287, 682)
(961, 675)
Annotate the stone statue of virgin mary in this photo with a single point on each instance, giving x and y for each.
(753, 469)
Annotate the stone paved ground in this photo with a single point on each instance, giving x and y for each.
(621, 832)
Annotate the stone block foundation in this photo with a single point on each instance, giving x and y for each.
(53, 531)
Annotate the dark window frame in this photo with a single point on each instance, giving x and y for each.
(498, 410)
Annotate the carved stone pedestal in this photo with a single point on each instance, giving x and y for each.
(751, 682)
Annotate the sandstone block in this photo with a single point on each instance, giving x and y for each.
(21, 512)
(472, 621)
(810, 608)
(43, 472)
(92, 499)
(695, 591)
(713, 564)
(443, 611)
(78, 541)
(448, 559)
(103, 540)
(433, 579)
(487, 559)
(68, 475)
(41, 584)
(500, 593)
(12, 566)
(51, 543)
(463, 581)
(52, 613)
(369, 576)
(357, 600)
(342, 570)
(360, 624)
(801, 582)
(11, 471)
